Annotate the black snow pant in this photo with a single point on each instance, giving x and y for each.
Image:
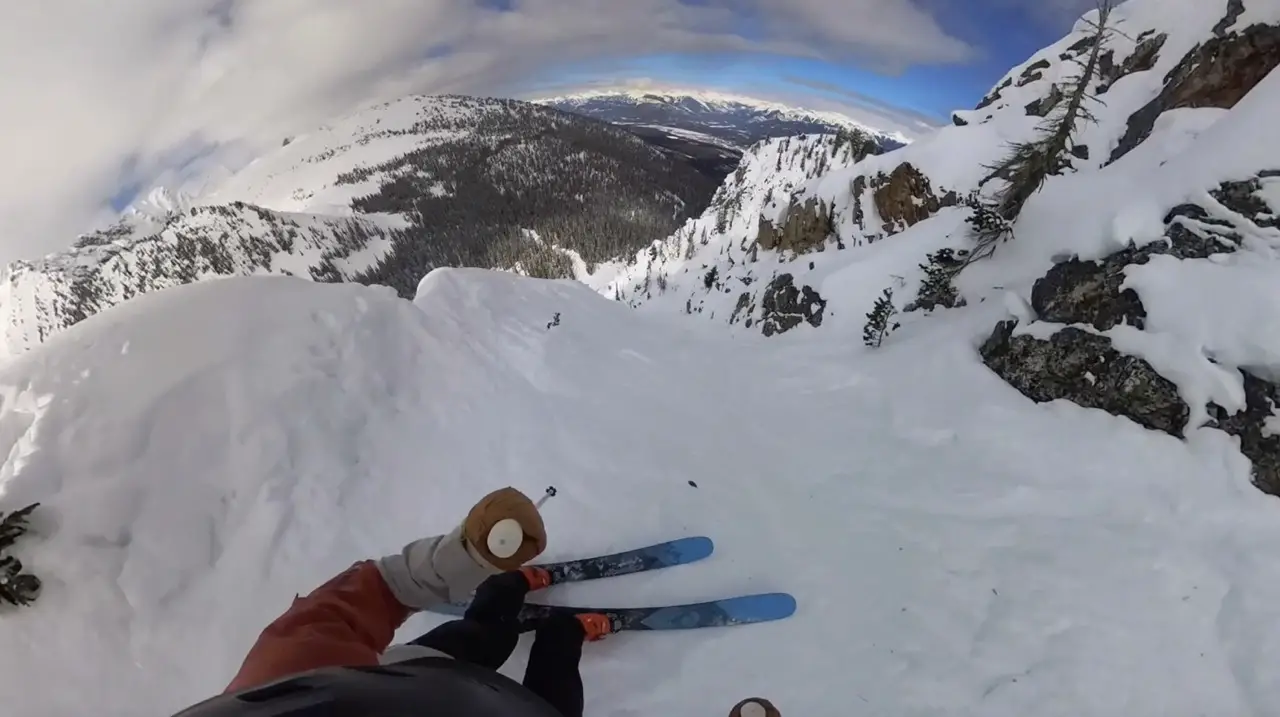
(488, 632)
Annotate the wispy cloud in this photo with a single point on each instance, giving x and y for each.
(107, 96)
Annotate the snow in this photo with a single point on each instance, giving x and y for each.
(204, 453)
(1228, 308)
(955, 549)
(302, 176)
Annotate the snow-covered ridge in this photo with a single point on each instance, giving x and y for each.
(749, 110)
(141, 254)
(709, 99)
(433, 174)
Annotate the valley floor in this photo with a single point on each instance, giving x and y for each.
(206, 452)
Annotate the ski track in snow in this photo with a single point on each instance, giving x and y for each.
(955, 549)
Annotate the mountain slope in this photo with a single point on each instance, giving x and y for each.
(1173, 193)
(383, 196)
(965, 551)
(141, 254)
(741, 121)
(880, 217)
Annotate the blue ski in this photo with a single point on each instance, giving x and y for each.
(743, 610)
(654, 557)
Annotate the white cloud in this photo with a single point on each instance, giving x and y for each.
(99, 95)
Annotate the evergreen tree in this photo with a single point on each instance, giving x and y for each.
(878, 326)
(712, 276)
(16, 587)
(937, 289)
(1028, 164)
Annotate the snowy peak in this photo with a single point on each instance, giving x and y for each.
(740, 119)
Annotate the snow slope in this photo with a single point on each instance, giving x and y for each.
(205, 452)
(303, 175)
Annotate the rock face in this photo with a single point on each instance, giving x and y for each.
(905, 198)
(995, 94)
(1217, 73)
(1257, 443)
(1083, 368)
(1088, 292)
(1144, 58)
(784, 307)
(804, 228)
(1033, 72)
(1043, 106)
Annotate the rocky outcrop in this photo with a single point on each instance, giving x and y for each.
(994, 95)
(1089, 292)
(1235, 8)
(1144, 57)
(1043, 106)
(856, 189)
(784, 307)
(1032, 73)
(1254, 426)
(905, 198)
(1243, 198)
(804, 228)
(1083, 368)
(1217, 73)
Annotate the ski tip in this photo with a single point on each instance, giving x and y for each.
(694, 548)
(761, 608)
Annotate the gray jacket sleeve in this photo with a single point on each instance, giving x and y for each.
(432, 570)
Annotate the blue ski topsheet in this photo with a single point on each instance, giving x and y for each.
(742, 610)
(653, 557)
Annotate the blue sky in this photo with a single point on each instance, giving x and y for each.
(1003, 33)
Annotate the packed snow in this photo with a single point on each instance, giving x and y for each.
(204, 453)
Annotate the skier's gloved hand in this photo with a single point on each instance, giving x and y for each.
(447, 568)
(499, 506)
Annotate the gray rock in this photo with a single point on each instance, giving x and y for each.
(1216, 73)
(1088, 292)
(784, 307)
(1084, 368)
(1249, 425)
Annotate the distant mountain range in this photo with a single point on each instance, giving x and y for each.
(382, 196)
(711, 118)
